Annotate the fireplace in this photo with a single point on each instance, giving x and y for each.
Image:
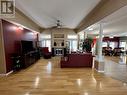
(58, 51)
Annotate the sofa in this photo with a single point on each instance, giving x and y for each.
(77, 60)
(107, 51)
(118, 51)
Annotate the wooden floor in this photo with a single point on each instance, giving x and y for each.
(47, 78)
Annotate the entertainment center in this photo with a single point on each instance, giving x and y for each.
(27, 56)
(30, 58)
(29, 53)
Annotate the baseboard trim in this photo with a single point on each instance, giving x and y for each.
(6, 73)
(99, 71)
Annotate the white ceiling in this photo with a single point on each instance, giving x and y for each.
(46, 12)
(114, 24)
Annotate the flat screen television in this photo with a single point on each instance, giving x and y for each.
(27, 46)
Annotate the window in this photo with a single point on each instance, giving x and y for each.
(46, 41)
(81, 36)
(112, 45)
(104, 44)
(123, 44)
(73, 45)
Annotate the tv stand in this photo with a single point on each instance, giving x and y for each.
(30, 58)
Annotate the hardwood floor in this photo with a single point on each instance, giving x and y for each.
(47, 78)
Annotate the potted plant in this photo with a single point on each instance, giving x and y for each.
(87, 44)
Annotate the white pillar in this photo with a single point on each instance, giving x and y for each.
(85, 34)
(100, 40)
(78, 41)
(99, 61)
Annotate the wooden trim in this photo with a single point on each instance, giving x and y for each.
(7, 73)
(2, 51)
(103, 9)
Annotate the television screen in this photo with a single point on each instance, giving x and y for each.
(27, 46)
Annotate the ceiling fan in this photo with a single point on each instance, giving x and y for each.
(58, 24)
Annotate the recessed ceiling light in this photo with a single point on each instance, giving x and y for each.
(98, 36)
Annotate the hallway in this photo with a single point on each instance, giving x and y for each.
(47, 78)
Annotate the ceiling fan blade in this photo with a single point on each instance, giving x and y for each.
(58, 24)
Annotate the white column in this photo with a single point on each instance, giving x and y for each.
(85, 34)
(78, 41)
(100, 42)
(99, 64)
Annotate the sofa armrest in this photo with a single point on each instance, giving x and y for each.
(64, 58)
(63, 61)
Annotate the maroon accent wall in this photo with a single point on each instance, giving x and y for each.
(115, 39)
(12, 40)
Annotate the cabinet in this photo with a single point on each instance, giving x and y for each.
(17, 64)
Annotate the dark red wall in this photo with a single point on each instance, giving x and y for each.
(114, 39)
(12, 40)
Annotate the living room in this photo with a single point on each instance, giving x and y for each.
(64, 47)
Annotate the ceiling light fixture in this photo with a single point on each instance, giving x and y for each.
(111, 37)
(98, 36)
(13, 28)
(21, 28)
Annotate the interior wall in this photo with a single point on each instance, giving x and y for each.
(12, 40)
(115, 39)
(62, 30)
(2, 53)
(107, 39)
(124, 38)
(50, 32)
